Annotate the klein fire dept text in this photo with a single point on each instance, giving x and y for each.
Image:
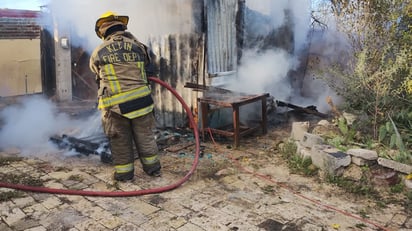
(119, 52)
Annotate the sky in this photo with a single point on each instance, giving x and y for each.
(22, 4)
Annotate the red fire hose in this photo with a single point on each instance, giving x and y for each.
(126, 193)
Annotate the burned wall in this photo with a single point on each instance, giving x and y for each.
(260, 34)
(181, 60)
(84, 86)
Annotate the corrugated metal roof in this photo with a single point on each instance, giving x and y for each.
(19, 24)
(10, 13)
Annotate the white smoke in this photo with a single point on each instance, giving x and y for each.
(268, 71)
(28, 124)
(264, 72)
(331, 48)
(300, 13)
(146, 18)
(163, 17)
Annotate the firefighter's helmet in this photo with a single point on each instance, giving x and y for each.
(113, 19)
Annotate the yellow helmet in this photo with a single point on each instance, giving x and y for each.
(110, 16)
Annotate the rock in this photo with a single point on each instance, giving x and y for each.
(299, 146)
(350, 118)
(329, 159)
(408, 223)
(223, 172)
(302, 151)
(309, 140)
(408, 183)
(404, 168)
(384, 177)
(305, 153)
(329, 130)
(353, 172)
(363, 153)
(362, 162)
(358, 161)
(299, 129)
(324, 123)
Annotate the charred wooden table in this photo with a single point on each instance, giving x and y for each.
(233, 101)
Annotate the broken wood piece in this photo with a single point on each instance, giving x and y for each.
(199, 87)
(179, 148)
(309, 110)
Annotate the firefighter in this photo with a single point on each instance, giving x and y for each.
(122, 65)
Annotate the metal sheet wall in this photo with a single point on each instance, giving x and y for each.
(181, 60)
(221, 36)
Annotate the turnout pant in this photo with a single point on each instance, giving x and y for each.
(123, 133)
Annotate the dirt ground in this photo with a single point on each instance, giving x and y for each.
(260, 157)
(251, 183)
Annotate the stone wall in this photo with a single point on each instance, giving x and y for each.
(333, 161)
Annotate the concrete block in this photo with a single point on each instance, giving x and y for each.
(399, 167)
(309, 140)
(329, 159)
(298, 130)
(305, 153)
(358, 161)
(363, 153)
(362, 162)
(299, 146)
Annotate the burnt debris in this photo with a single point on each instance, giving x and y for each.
(94, 146)
(308, 110)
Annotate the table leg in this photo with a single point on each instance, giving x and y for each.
(205, 111)
(264, 115)
(236, 129)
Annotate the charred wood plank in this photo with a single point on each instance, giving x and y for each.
(309, 109)
(198, 87)
(84, 147)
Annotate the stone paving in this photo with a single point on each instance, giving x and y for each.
(242, 189)
(249, 188)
